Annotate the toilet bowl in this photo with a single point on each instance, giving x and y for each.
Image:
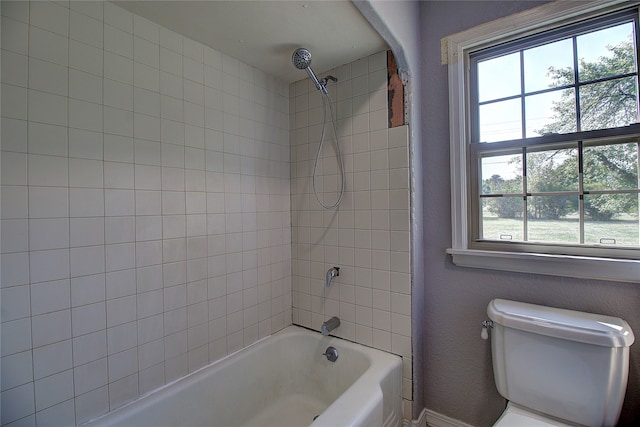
(557, 367)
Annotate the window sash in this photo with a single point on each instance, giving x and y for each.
(571, 31)
(477, 150)
(476, 196)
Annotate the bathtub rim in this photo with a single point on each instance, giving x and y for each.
(363, 384)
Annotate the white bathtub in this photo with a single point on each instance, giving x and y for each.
(281, 381)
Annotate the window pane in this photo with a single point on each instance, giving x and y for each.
(550, 65)
(552, 219)
(615, 232)
(609, 104)
(605, 207)
(502, 174)
(613, 219)
(611, 167)
(502, 218)
(551, 112)
(552, 170)
(499, 77)
(605, 53)
(500, 121)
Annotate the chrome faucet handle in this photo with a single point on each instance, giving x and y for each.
(331, 273)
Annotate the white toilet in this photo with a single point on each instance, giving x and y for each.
(558, 367)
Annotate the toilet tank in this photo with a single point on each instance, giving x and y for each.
(567, 364)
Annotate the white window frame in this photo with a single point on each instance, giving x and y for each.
(455, 51)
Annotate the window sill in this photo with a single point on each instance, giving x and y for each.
(617, 270)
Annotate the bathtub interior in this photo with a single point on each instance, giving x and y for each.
(299, 380)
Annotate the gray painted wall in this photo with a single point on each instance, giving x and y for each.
(458, 378)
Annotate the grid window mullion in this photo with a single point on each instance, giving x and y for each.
(581, 191)
(523, 108)
(525, 204)
(576, 82)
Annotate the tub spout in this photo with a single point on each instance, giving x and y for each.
(330, 325)
(331, 273)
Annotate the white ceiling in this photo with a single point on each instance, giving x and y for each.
(265, 33)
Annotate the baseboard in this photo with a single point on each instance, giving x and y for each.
(430, 418)
(420, 422)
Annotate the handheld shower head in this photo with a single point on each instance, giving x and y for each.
(301, 59)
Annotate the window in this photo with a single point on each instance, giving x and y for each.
(545, 143)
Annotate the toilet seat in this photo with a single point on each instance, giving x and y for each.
(515, 416)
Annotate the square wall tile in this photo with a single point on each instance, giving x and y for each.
(17, 403)
(134, 161)
(17, 370)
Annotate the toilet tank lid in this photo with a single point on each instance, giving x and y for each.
(596, 329)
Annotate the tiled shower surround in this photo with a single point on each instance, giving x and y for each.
(368, 236)
(150, 210)
(145, 208)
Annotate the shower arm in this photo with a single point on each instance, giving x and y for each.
(321, 86)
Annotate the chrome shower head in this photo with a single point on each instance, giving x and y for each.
(301, 58)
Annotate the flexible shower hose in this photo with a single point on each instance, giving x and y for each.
(338, 153)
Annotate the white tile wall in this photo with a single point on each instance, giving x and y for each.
(368, 235)
(145, 216)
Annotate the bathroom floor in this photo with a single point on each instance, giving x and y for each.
(288, 411)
